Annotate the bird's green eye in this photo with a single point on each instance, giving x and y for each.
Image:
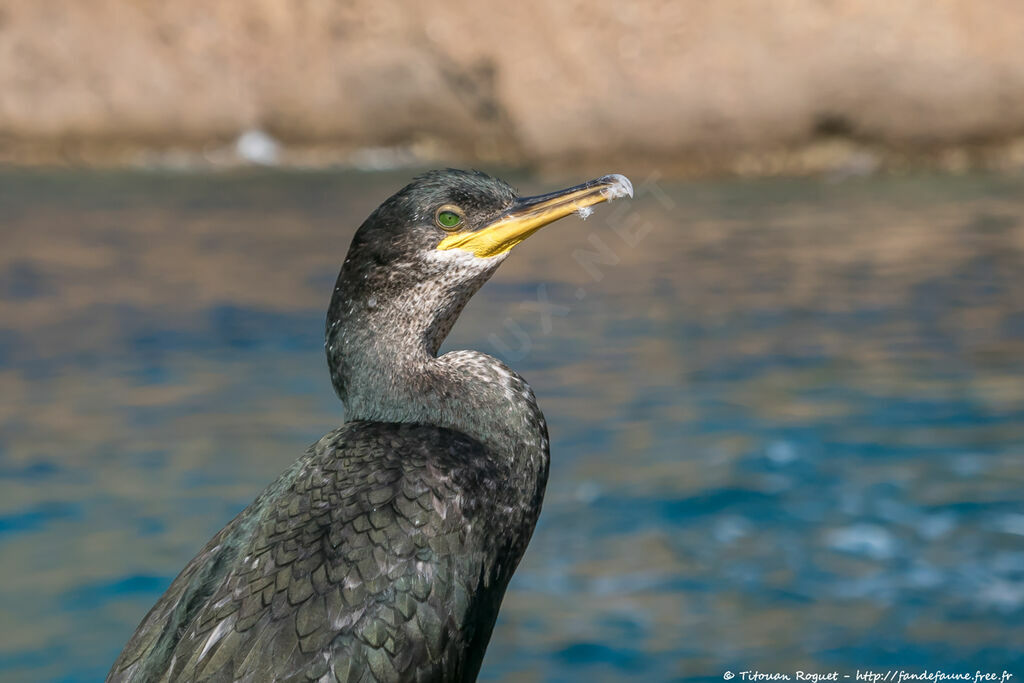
(448, 219)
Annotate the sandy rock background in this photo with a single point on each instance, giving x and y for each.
(691, 83)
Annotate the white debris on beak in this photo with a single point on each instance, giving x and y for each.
(619, 186)
(585, 211)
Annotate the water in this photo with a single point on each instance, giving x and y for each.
(787, 417)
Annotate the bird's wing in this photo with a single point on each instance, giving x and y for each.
(355, 566)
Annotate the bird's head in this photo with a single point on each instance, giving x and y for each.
(456, 225)
(420, 256)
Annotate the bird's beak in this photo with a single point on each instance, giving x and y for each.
(530, 214)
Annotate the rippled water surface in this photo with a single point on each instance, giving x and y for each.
(787, 417)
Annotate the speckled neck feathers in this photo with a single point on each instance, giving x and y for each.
(394, 303)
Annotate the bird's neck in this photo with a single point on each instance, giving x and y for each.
(382, 356)
(465, 391)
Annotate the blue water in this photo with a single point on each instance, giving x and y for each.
(787, 416)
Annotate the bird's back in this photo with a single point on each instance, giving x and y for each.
(375, 557)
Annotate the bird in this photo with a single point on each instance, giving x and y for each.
(383, 553)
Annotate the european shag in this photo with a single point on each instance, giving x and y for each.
(383, 553)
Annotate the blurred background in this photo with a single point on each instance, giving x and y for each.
(785, 384)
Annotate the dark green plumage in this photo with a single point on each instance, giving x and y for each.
(383, 553)
(372, 558)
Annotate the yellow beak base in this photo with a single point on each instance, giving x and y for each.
(530, 214)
